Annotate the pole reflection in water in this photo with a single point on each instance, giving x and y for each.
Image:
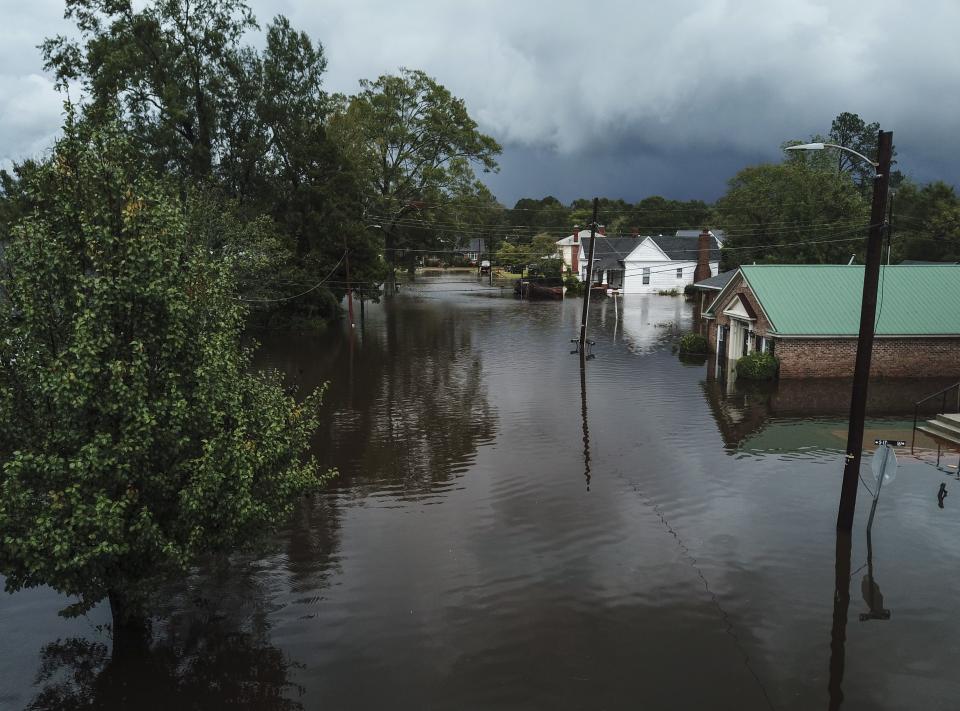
(871, 591)
(586, 428)
(838, 634)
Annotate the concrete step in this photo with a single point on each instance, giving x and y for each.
(950, 423)
(948, 436)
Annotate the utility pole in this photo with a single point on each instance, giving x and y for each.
(868, 313)
(586, 297)
(346, 255)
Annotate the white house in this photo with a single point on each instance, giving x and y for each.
(643, 265)
(664, 263)
(569, 249)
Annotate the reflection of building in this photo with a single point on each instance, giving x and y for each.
(791, 415)
(809, 315)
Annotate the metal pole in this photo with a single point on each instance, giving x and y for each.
(876, 494)
(868, 313)
(346, 254)
(586, 297)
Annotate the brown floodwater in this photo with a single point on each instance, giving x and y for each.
(506, 534)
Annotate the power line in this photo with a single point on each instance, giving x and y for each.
(304, 293)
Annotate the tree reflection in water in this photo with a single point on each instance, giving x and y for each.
(203, 659)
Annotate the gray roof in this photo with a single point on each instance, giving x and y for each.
(696, 233)
(477, 244)
(716, 282)
(611, 251)
(686, 248)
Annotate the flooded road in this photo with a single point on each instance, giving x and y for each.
(500, 538)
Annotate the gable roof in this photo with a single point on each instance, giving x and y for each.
(611, 251)
(684, 249)
(716, 282)
(696, 233)
(824, 299)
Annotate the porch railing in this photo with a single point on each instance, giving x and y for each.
(943, 394)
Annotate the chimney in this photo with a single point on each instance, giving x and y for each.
(703, 256)
(575, 252)
(635, 231)
(602, 229)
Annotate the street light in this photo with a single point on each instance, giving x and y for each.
(821, 146)
(868, 313)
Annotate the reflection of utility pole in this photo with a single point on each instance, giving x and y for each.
(583, 406)
(838, 633)
(871, 591)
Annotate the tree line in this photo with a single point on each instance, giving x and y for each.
(812, 207)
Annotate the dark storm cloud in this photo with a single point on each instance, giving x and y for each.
(623, 99)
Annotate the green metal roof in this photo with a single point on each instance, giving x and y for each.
(824, 299)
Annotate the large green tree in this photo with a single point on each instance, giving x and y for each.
(792, 212)
(416, 148)
(134, 435)
(166, 62)
(244, 127)
(926, 222)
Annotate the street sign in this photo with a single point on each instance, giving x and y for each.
(891, 442)
(884, 463)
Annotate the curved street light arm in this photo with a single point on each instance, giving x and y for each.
(821, 146)
(850, 150)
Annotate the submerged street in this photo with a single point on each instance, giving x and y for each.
(499, 537)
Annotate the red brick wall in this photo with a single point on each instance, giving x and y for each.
(761, 325)
(892, 357)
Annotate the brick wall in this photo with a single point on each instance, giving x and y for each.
(760, 326)
(892, 357)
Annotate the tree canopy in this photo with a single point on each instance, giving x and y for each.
(415, 147)
(134, 435)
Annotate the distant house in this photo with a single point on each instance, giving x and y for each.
(664, 263)
(809, 317)
(609, 265)
(706, 291)
(569, 248)
(642, 265)
(473, 249)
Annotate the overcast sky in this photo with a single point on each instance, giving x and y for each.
(609, 97)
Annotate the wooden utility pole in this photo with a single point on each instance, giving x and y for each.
(868, 314)
(346, 255)
(586, 297)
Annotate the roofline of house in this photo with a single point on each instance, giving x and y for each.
(855, 336)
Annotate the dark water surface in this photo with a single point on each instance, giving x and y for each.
(486, 547)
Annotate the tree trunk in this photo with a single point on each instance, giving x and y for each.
(131, 627)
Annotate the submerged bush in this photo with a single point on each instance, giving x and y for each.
(758, 366)
(668, 292)
(693, 343)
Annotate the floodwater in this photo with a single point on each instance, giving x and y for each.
(508, 532)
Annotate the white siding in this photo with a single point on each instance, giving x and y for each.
(663, 276)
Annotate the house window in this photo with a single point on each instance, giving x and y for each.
(760, 346)
(646, 275)
(679, 272)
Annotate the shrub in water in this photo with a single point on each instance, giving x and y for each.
(693, 343)
(758, 366)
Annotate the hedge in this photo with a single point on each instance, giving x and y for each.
(693, 343)
(758, 366)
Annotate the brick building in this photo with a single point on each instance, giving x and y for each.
(809, 317)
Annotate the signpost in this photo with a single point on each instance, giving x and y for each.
(884, 466)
